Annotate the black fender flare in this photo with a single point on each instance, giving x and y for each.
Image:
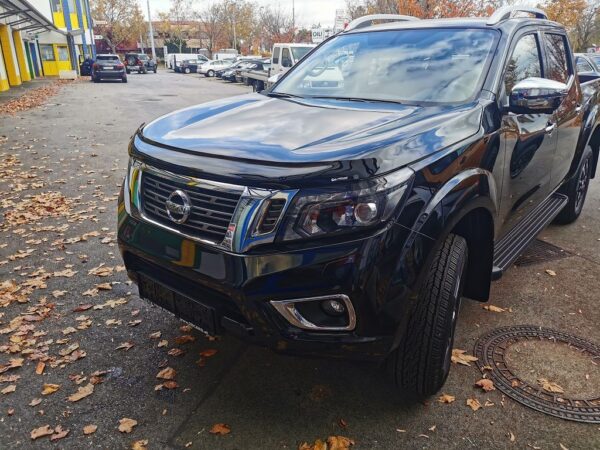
(590, 130)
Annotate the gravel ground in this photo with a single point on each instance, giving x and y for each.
(60, 169)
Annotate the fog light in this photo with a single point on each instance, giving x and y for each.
(333, 307)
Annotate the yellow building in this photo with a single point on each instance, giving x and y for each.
(43, 38)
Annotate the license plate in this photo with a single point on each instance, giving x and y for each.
(108, 67)
(181, 305)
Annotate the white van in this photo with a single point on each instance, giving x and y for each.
(176, 58)
(286, 55)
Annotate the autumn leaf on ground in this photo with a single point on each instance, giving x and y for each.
(220, 428)
(82, 308)
(550, 272)
(35, 402)
(126, 425)
(104, 287)
(163, 343)
(486, 384)
(142, 444)
(124, 346)
(90, 429)
(175, 352)
(473, 403)
(318, 445)
(70, 349)
(8, 389)
(59, 433)
(208, 352)
(168, 373)
(550, 386)
(50, 388)
(339, 443)
(493, 308)
(57, 294)
(461, 357)
(155, 335)
(446, 398)
(184, 339)
(82, 392)
(41, 431)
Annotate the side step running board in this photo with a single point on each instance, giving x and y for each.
(510, 247)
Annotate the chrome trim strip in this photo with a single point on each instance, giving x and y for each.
(288, 310)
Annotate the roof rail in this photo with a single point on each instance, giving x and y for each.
(366, 21)
(505, 13)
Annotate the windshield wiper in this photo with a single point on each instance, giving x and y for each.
(358, 99)
(282, 95)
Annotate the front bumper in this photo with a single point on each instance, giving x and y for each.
(241, 287)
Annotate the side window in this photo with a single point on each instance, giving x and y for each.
(276, 52)
(583, 65)
(556, 50)
(47, 52)
(286, 58)
(524, 62)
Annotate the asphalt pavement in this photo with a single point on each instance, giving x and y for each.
(60, 170)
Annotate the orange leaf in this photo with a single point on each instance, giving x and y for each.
(220, 428)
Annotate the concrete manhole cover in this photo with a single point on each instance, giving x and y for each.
(550, 371)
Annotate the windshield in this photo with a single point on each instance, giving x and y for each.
(596, 59)
(299, 52)
(412, 66)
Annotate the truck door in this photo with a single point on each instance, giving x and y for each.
(569, 115)
(529, 140)
(276, 61)
(286, 59)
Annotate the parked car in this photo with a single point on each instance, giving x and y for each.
(209, 68)
(588, 66)
(140, 63)
(108, 66)
(228, 73)
(350, 223)
(252, 66)
(191, 65)
(172, 60)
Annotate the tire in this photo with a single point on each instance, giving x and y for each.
(210, 73)
(155, 70)
(187, 70)
(128, 71)
(576, 189)
(124, 79)
(420, 364)
(95, 79)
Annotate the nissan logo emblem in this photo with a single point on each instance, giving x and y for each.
(178, 206)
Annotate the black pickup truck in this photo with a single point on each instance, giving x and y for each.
(347, 219)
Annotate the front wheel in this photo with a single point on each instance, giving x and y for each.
(155, 70)
(124, 79)
(576, 189)
(210, 73)
(187, 70)
(420, 364)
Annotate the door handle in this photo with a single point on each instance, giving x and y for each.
(550, 128)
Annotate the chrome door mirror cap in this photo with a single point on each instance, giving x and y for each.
(537, 96)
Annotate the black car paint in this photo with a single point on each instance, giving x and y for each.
(477, 171)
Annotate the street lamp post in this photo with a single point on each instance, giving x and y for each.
(151, 31)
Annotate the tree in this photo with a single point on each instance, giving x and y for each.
(173, 23)
(275, 25)
(123, 20)
(587, 27)
(212, 31)
(566, 12)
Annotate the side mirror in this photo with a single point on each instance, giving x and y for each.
(286, 62)
(537, 96)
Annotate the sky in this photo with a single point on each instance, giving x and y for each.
(308, 12)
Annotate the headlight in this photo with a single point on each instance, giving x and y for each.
(331, 211)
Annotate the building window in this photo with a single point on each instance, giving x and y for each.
(63, 53)
(56, 6)
(71, 5)
(47, 52)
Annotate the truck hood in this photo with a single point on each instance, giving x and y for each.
(262, 130)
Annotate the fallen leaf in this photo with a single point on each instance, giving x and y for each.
(50, 388)
(493, 308)
(184, 339)
(155, 335)
(486, 384)
(70, 349)
(8, 389)
(59, 433)
(208, 353)
(41, 431)
(69, 330)
(339, 443)
(446, 398)
(90, 429)
(550, 272)
(550, 386)
(511, 436)
(81, 308)
(432, 428)
(175, 352)
(460, 357)
(163, 343)
(104, 287)
(220, 428)
(35, 402)
(82, 392)
(124, 346)
(142, 444)
(126, 425)
(473, 403)
(167, 373)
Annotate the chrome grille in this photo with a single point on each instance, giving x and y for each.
(211, 212)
